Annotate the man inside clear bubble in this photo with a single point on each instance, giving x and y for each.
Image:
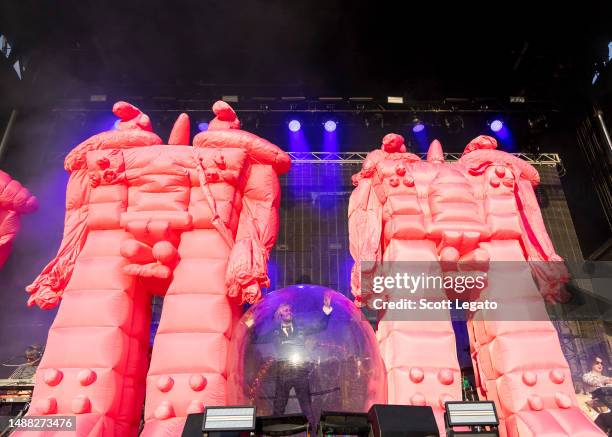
(293, 367)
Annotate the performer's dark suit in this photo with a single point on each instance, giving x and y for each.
(292, 369)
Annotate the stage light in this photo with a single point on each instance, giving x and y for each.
(475, 415)
(454, 123)
(517, 99)
(294, 125)
(220, 419)
(330, 125)
(293, 98)
(395, 99)
(417, 125)
(203, 126)
(502, 133)
(97, 98)
(496, 125)
(537, 122)
(375, 119)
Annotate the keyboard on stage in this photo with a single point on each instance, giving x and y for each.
(17, 384)
(16, 391)
(603, 394)
(15, 399)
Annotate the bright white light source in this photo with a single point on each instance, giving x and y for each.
(392, 99)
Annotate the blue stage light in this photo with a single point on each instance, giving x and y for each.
(116, 123)
(496, 125)
(330, 125)
(295, 125)
(203, 126)
(418, 127)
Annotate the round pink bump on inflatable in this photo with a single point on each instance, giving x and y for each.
(557, 376)
(165, 383)
(52, 377)
(417, 400)
(197, 382)
(195, 407)
(416, 375)
(47, 406)
(530, 378)
(86, 377)
(563, 400)
(164, 411)
(535, 402)
(129, 248)
(494, 182)
(500, 171)
(164, 251)
(444, 398)
(509, 182)
(449, 254)
(400, 170)
(445, 376)
(81, 405)
(394, 182)
(409, 181)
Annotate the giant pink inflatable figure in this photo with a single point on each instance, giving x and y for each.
(482, 210)
(14, 200)
(194, 224)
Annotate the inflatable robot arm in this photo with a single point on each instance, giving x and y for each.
(547, 265)
(14, 200)
(365, 222)
(247, 270)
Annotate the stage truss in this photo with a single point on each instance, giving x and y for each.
(547, 159)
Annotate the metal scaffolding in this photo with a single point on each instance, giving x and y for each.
(548, 159)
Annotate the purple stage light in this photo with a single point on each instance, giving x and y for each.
(418, 127)
(330, 125)
(295, 125)
(203, 126)
(496, 125)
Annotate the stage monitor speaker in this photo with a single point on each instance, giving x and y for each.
(343, 423)
(402, 421)
(283, 425)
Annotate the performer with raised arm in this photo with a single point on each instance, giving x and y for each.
(292, 369)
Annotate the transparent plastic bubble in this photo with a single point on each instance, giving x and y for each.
(288, 356)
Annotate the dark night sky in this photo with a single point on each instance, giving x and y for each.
(317, 48)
